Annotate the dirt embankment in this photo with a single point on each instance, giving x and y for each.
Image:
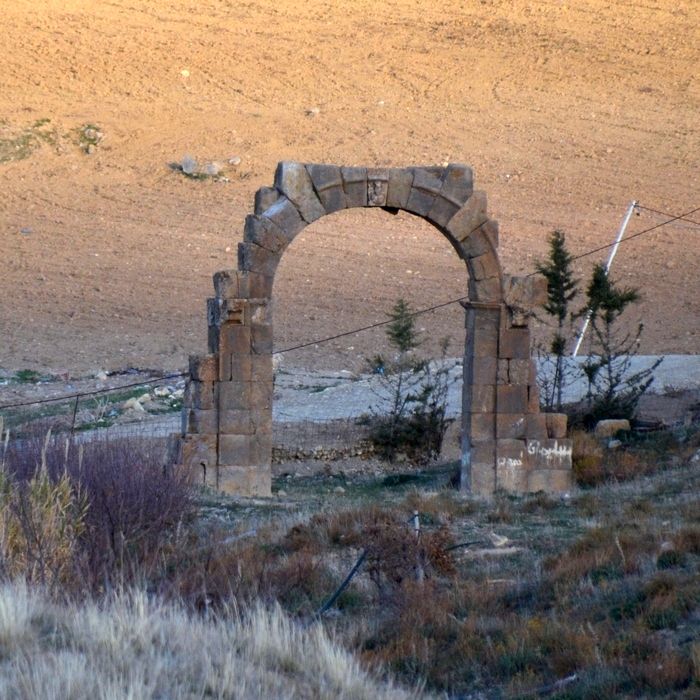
(566, 111)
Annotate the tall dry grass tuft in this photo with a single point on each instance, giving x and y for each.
(135, 647)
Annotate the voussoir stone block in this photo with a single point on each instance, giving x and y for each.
(424, 189)
(256, 259)
(399, 189)
(264, 232)
(457, 187)
(328, 183)
(469, 218)
(286, 216)
(265, 197)
(484, 267)
(293, 180)
(355, 185)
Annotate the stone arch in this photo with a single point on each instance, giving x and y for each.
(227, 418)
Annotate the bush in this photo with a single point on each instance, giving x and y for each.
(112, 503)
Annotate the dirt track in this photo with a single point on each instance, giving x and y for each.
(566, 111)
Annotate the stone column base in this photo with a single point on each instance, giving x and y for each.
(245, 481)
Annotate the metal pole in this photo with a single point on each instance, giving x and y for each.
(620, 234)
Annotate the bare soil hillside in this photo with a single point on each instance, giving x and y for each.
(565, 110)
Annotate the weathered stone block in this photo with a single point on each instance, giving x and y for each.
(483, 398)
(234, 339)
(488, 290)
(261, 447)
(214, 311)
(249, 481)
(202, 421)
(457, 183)
(259, 286)
(226, 284)
(606, 429)
(377, 186)
(232, 311)
(482, 426)
(265, 197)
(549, 454)
(510, 465)
(235, 396)
(550, 481)
(424, 189)
(355, 185)
(484, 371)
(213, 339)
(556, 425)
(261, 369)
(520, 371)
(514, 344)
(469, 218)
(536, 426)
(511, 398)
(261, 395)
(294, 181)
(265, 233)
(503, 376)
(286, 216)
(204, 368)
(328, 183)
(200, 395)
(261, 420)
(484, 267)
(442, 210)
(253, 258)
(235, 449)
(533, 398)
(235, 422)
(199, 454)
(261, 342)
(483, 478)
(525, 292)
(486, 343)
(400, 181)
(236, 368)
(260, 312)
(510, 426)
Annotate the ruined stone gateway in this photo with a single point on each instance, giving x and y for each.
(227, 419)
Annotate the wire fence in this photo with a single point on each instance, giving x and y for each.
(313, 412)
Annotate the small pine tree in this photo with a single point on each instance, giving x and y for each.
(562, 289)
(413, 391)
(612, 391)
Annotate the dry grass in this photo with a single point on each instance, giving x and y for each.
(135, 648)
